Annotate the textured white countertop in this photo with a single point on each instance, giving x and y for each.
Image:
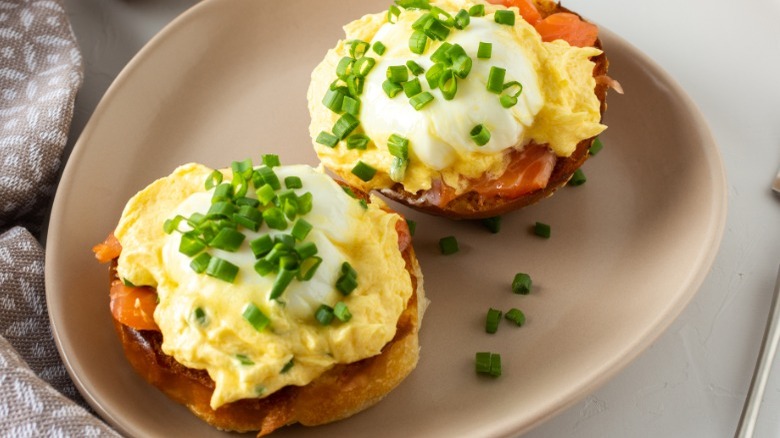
(693, 380)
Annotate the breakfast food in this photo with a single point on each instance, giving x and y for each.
(461, 108)
(261, 296)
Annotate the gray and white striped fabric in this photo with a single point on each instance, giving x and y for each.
(40, 74)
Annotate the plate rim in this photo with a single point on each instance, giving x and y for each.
(695, 279)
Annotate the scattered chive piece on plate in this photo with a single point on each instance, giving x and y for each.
(488, 363)
(495, 364)
(448, 245)
(596, 147)
(492, 319)
(516, 315)
(521, 284)
(578, 178)
(412, 226)
(492, 223)
(542, 230)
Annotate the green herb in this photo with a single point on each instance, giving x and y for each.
(516, 315)
(542, 230)
(363, 171)
(421, 100)
(324, 314)
(596, 147)
(578, 178)
(480, 135)
(254, 316)
(521, 284)
(492, 223)
(448, 245)
(492, 320)
(485, 50)
(505, 16)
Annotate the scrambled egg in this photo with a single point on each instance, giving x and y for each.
(557, 105)
(294, 348)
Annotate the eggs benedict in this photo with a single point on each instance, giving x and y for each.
(254, 295)
(458, 107)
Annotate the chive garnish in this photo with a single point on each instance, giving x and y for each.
(412, 88)
(488, 363)
(596, 147)
(492, 319)
(506, 16)
(324, 314)
(521, 284)
(542, 230)
(492, 223)
(379, 48)
(222, 269)
(515, 315)
(578, 178)
(495, 82)
(485, 50)
(418, 42)
(462, 19)
(391, 88)
(477, 11)
(363, 171)
(480, 134)
(421, 100)
(254, 316)
(397, 73)
(341, 311)
(448, 245)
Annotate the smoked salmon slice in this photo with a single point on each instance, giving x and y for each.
(134, 306)
(568, 27)
(528, 170)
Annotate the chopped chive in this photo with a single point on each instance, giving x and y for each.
(379, 48)
(521, 284)
(358, 48)
(495, 82)
(227, 239)
(344, 67)
(462, 66)
(515, 315)
(127, 282)
(412, 88)
(596, 147)
(275, 218)
(213, 179)
(261, 245)
(485, 50)
(293, 182)
(578, 178)
(391, 88)
(222, 192)
(281, 282)
(414, 67)
(244, 168)
(363, 66)
(442, 16)
(420, 23)
(358, 141)
(190, 244)
(287, 367)
(306, 250)
(542, 230)
(200, 262)
(506, 16)
(455, 51)
(462, 19)
(271, 160)
(308, 268)
(222, 269)
(301, 229)
(482, 362)
(477, 11)
(341, 311)
(344, 126)
(436, 30)
(434, 74)
(350, 105)
(398, 169)
(492, 319)
(448, 84)
(392, 14)
(412, 226)
(269, 176)
(492, 223)
(418, 42)
(363, 171)
(305, 203)
(397, 73)
(327, 139)
(419, 101)
(480, 134)
(324, 314)
(440, 55)
(448, 245)
(398, 146)
(347, 281)
(495, 364)
(264, 267)
(265, 194)
(254, 316)
(199, 315)
(244, 359)
(414, 4)
(333, 100)
(507, 101)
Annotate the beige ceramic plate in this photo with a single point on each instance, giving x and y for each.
(228, 80)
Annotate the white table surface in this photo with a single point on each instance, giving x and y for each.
(693, 380)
